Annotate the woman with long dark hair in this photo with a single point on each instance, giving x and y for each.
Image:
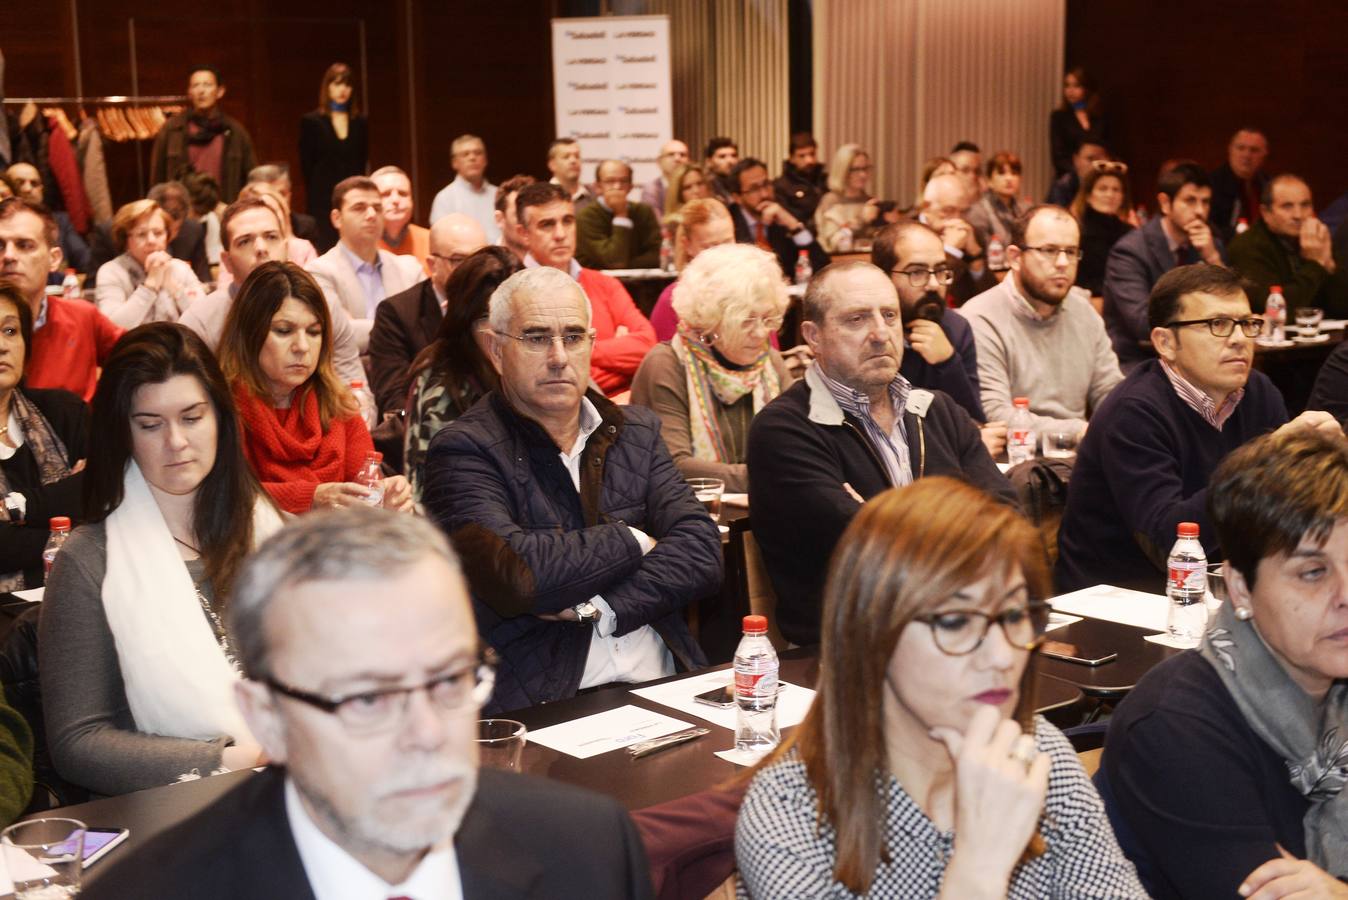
(451, 374)
(1079, 117)
(334, 144)
(921, 769)
(137, 670)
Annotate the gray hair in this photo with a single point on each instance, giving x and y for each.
(538, 280)
(465, 139)
(818, 293)
(719, 287)
(357, 543)
(269, 173)
(390, 170)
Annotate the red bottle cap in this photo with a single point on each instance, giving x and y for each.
(755, 624)
(59, 523)
(1188, 529)
(1275, 287)
(1021, 401)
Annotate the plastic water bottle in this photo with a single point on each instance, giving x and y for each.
(666, 254)
(1187, 586)
(369, 410)
(1275, 315)
(842, 240)
(1021, 440)
(804, 271)
(756, 669)
(1242, 225)
(371, 475)
(70, 286)
(60, 530)
(996, 254)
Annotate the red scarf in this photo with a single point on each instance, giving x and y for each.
(289, 446)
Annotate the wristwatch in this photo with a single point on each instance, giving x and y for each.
(587, 613)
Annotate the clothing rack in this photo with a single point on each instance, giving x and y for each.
(115, 98)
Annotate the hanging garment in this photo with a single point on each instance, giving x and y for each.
(66, 172)
(94, 171)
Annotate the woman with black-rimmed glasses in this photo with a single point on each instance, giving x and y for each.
(921, 769)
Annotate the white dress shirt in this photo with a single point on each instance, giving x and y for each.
(641, 654)
(477, 203)
(335, 875)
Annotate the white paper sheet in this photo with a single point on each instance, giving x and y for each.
(1114, 604)
(605, 731)
(1165, 639)
(792, 703)
(26, 866)
(735, 500)
(32, 595)
(740, 757)
(1058, 620)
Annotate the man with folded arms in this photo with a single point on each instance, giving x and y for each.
(547, 223)
(760, 220)
(582, 542)
(363, 678)
(1035, 337)
(250, 234)
(851, 428)
(614, 232)
(1144, 466)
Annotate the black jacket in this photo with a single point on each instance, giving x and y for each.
(531, 544)
(522, 837)
(404, 325)
(1228, 201)
(802, 451)
(780, 239)
(800, 190)
(1267, 259)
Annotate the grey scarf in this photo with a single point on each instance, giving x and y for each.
(1313, 741)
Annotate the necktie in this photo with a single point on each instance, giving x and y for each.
(761, 236)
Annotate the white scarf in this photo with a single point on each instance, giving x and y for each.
(178, 681)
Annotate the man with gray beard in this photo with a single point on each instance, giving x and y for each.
(362, 680)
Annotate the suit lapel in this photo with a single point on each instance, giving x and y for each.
(429, 314)
(494, 863)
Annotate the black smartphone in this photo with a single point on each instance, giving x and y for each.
(1086, 656)
(722, 697)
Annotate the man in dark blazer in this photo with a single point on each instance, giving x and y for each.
(759, 219)
(363, 679)
(1179, 236)
(405, 323)
(1238, 183)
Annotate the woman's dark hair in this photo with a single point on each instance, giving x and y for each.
(260, 296)
(25, 313)
(454, 357)
(337, 73)
(1088, 85)
(222, 514)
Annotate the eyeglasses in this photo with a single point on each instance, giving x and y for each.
(571, 342)
(615, 182)
(1110, 166)
(456, 260)
(918, 277)
(861, 169)
(368, 712)
(959, 632)
(1051, 254)
(771, 323)
(1222, 326)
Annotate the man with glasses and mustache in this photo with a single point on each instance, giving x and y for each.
(582, 542)
(1035, 337)
(760, 220)
(362, 679)
(1145, 464)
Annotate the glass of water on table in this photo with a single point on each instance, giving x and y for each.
(45, 858)
(708, 492)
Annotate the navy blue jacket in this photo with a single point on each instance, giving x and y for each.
(1136, 263)
(958, 375)
(531, 544)
(1143, 468)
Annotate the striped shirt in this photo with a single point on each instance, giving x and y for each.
(892, 446)
(1200, 402)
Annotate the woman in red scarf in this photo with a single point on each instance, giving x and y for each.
(303, 433)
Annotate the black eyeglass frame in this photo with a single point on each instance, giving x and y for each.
(1038, 611)
(1246, 323)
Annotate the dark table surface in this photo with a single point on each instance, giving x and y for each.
(1112, 679)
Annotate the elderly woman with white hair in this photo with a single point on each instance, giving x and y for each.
(720, 368)
(848, 216)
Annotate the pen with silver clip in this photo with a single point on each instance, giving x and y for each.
(655, 745)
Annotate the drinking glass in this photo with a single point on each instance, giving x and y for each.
(45, 858)
(1060, 444)
(500, 743)
(1308, 322)
(708, 492)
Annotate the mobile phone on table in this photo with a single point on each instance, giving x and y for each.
(1086, 656)
(98, 842)
(723, 697)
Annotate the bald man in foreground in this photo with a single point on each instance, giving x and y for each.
(406, 322)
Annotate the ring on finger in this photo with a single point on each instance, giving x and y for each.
(1024, 751)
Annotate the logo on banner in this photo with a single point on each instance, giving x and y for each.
(591, 135)
(637, 86)
(587, 85)
(640, 136)
(623, 57)
(586, 35)
(638, 110)
(587, 112)
(588, 61)
(635, 34)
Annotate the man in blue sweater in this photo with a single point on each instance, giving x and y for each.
(1144, 465)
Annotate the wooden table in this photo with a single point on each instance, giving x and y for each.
(1293, 369)
(1112, 680)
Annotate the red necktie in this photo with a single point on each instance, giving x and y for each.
(761, 236)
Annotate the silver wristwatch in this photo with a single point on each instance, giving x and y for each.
(586, 613)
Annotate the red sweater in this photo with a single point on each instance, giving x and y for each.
(615, 359)
(69, 348)
(291, 453)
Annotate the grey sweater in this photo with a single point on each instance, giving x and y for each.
(91, 732)
(1064, 364)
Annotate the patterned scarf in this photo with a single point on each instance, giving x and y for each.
(711, 386)
(1311, 739)
(50, 455)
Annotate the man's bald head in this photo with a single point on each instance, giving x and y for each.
(944, 198)
(27, 182)
(453, 239)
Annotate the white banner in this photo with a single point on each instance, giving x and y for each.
(611, 86)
